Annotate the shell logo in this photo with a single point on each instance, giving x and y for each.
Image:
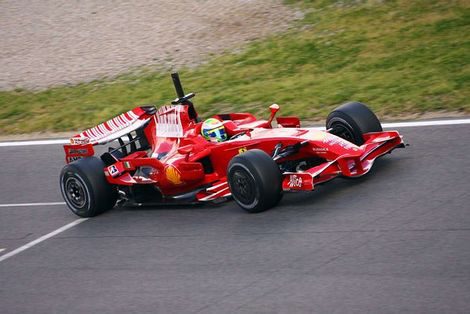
(173, 175)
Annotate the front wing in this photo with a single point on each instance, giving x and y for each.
(350, 165)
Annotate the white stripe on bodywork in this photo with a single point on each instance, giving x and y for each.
(215, 195)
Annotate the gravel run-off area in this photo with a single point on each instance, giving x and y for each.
(44, 43)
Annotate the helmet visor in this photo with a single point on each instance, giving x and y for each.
(217, 134)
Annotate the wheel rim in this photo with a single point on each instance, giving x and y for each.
(75, 192)
(243, 187)
(341, 130)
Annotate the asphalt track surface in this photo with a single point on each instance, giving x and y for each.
(395, 241)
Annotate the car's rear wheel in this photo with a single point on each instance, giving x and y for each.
(85, 189)
(255, 181)
(351, 120)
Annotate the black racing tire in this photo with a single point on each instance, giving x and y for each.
(351, 120)
(85, 189)
(255, 181)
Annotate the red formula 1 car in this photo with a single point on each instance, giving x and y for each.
(160, 156)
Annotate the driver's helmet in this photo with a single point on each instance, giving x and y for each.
(213, 130)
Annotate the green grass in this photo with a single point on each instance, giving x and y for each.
(400, 57)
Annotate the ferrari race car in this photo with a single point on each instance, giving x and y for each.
(161, 156)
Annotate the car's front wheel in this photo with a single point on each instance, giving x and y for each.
(255, 181)
(351, 120)
(85, 189)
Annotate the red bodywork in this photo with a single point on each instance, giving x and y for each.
(178, 160)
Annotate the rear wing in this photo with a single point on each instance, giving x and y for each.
(170, 121)
(81, 145)
(114, 128)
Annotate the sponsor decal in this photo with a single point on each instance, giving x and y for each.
(242, 150)
(70, 159)
(78, 151)
(318, 136)
(333, 140)
(173, 175)
(79, 141)
(295, 181)
(113, 170)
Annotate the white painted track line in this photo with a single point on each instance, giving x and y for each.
(385, 125)
(1, 250)
(38, 142)
(41, 239)
(415, 124)
(425, 123)
(32, 204)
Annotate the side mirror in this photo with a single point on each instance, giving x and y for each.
(274, 108)
(185, 150)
